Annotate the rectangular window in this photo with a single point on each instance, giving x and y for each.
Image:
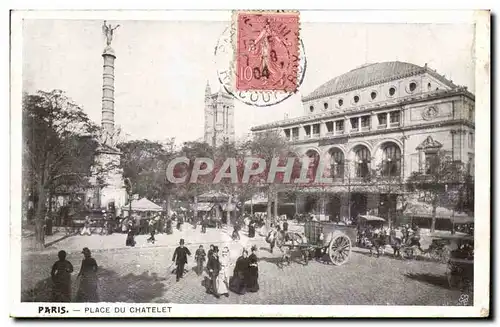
(471, 164)
(431, 162)
(354, 124)
(295, 133)
(339, 126)
(471, 113)
(329, 126)
(365, 122)
(395, 118)
(382, 120)
(471, 140)
(287, 133)
(308, 130)
(456, 145)
(316, 129)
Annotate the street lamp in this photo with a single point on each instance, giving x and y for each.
(128, 188)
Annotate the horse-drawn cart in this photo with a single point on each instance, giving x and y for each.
(336, 239)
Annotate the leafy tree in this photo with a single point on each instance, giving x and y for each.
(144, 163)
(440, 176)
(269, 145)
(59, 143)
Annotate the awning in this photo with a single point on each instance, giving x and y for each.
(371, 218)
(260, 198)
(418, 208)
(462, 220)
(142, 205)
(214, 196)
(230, 207)
(203, 206)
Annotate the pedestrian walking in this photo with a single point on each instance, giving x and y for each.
(253, 271)
(213, 267)
(168, 226)
(61, 279)
(204, 223)
(200, 257)
(237, 283)
(87, 290)
(180, 258)
(130, 238)
(86, 227)
(251, 229)
(222, 281)
(285, 226)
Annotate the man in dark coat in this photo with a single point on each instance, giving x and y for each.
(180, 258)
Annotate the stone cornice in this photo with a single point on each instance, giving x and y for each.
(367, 109)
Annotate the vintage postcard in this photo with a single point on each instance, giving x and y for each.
(262, 163)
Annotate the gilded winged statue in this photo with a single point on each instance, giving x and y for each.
(108, 30)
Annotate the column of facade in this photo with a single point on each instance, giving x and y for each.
(322, 129)
(373, 123)
(347, 125)
(334, 130)
(302, 132)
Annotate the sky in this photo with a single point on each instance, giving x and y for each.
(162, 67)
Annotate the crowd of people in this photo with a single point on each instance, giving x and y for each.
(217, 281)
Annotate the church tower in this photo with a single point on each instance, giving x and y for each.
(219, 117)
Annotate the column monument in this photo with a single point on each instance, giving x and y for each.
(109, 184)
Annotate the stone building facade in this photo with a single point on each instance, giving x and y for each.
(219, 117)
(391, 116)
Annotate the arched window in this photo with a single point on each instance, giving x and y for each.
(362, 162)
(337, 163)
(391, 160)
(313, 163)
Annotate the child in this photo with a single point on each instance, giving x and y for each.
(200, 259)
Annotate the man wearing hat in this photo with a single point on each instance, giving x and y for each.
(180, 258)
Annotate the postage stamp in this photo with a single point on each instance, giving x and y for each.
(267, 50)
(161, 184)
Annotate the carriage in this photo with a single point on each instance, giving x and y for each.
(332, 239)
(337, 239)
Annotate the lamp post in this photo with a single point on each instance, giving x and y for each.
(128, 188)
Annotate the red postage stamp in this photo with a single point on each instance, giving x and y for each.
(267, 51)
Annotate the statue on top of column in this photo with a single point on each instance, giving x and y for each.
(108, 30)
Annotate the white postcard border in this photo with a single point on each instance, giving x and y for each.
(482, 173)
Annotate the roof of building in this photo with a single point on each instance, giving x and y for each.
(370, 74)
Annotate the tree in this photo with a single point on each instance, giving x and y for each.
(193, 150)
(269, 145)
(59, 143)
(144, 163)
(390, 183)
(440, 175)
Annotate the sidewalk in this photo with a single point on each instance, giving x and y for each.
(116, 241)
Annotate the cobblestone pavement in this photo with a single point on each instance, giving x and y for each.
(115, 241)
(143, 275)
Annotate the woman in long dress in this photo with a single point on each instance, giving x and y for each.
(87, 290)
(238, 283)
(222, 282)
(253, 271)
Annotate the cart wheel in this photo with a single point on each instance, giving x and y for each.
(339, 249)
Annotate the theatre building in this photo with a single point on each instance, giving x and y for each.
(391, 117)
